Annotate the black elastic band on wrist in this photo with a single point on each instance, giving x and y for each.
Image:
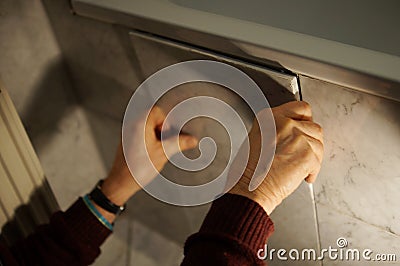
(100, 199)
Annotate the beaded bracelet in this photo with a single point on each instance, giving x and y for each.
(96, 212)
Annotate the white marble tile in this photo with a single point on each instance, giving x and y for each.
(149, 248)
(295, 226)
(115, 250)
(360, 175)
(69, 156)
(76, 152)
(106, 133)
(358, 234)
(174, 223)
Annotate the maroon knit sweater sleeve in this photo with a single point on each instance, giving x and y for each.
(71, 238)
(233, 231)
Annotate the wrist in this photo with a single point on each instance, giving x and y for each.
(267, 204)
(108, 215)
(105, 217)
(119, 190)
(267, 200)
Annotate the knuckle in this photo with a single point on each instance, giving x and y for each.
(305, 105)
(311, 157)
(302, 135)
(300, 138)
(319, 128)
(291, 124)
(284, 124)
(306, 110)
(320, 143)
(309, 147)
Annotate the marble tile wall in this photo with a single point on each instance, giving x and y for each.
(357, 189)
(78, 105)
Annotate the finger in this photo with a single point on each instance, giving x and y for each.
(156, 117)
(311, 129)
(164, 126)
(314, 158)
(317, 147)
(310, 155)
(187, 142)
(311, 168)
(313, 176)
(310, 178)
(164, 130)
(178, 143)
(298, 110)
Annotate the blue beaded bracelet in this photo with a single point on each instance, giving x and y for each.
(96, 212)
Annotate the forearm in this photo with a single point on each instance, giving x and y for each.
(233, 231)
(73, 237)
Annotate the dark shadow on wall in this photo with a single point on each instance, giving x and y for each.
(51, 98)
(54, 97)
(26, 217)
(102, 66)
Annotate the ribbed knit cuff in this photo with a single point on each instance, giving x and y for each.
(84, 225)
(239, 218)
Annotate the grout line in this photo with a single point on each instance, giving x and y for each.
(311, 187)
(317, 231)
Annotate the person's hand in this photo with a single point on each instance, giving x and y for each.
(119, 186)
(298, 156)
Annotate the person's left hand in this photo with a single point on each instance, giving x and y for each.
(298, 155)
(119, 186)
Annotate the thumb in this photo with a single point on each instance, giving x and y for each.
(178, 143)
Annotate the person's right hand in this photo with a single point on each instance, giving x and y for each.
(120, 185)
(298, 156)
